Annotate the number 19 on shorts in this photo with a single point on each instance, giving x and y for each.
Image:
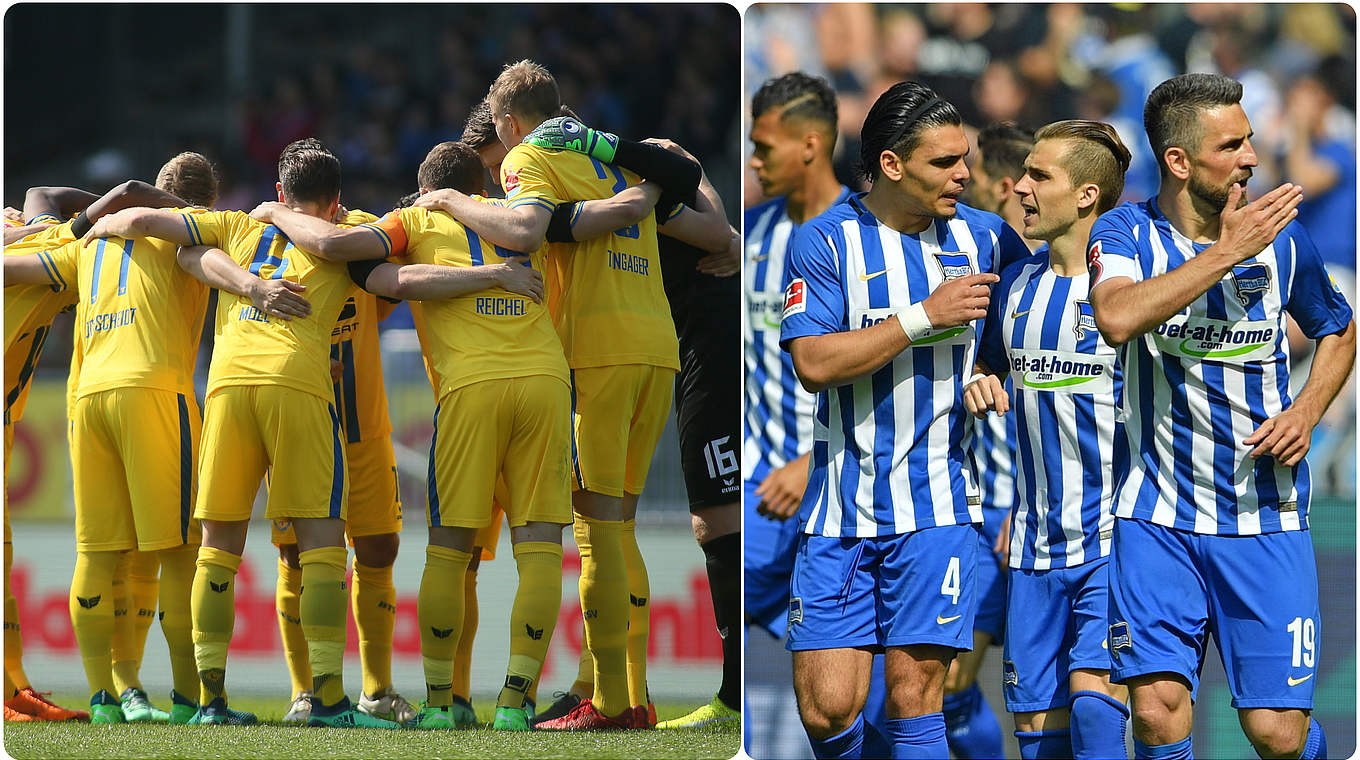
(1305, 637)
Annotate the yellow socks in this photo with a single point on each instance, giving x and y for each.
(462, 657)
(287, 597)
(213, 609)
(585, 671)
(176, 589)
(15, 678)
(91, 606)
(374, 601)
(322, 606)
(136, 587)
(604, 606)
(439, 609)
(532, 618)
(639, 615)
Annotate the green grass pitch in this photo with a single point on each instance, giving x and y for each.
(274, 740)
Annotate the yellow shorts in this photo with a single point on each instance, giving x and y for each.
(515, 427)
(618, 414)
(374, 504)
(133, 458)
(489, 536)
(294, 436)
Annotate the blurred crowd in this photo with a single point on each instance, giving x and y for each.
(380, 85)
(1037, 63)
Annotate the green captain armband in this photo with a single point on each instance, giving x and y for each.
(566, 133)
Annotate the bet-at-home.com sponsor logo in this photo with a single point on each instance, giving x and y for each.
(1063, 371)
(1199, 338)
(863, 318)
(765, 310)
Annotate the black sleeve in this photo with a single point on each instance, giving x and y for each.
(559, 227)
(677, 175)
(81, 225)
(360, 270)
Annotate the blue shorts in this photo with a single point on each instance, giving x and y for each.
(892, 591)
(1056, 624)
(768, 547)
(991, 577)
(1257, 596)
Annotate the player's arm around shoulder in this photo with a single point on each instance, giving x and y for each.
(519, 226)
(327, 240)
(140, 222)
(56, 268)
(213, 267)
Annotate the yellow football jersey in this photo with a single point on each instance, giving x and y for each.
(252, 348)
(485, 335)
(360, 396)
(606, 295)
(138, 316)
(29, 310)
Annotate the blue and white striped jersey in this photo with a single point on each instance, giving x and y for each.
(1200, 383)
(778, 409)
(1066, 384)
(889, 450)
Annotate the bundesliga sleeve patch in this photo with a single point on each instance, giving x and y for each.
(1093, 262)
(795, 298)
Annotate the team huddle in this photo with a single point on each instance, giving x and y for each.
(550, 348)
(1081, 443)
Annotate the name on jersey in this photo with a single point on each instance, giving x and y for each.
(1063, 371)
(1203, 338)
(500, 306)
(863, 318)
(627, 262)
(765, 310)
(252, 314)
(111, 320)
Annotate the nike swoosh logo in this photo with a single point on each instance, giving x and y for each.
(759, 259)
(867, 277)
(942, 620)
(1019, 314)
(1296, 681)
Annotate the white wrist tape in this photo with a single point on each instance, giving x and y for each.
(976, 377)
(914, 321)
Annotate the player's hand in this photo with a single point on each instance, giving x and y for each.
(960, 300)
(725, 263)
(672, 146)
(116, 224)
(14, 215)
(1245, 231)
(340, 213)
(436, 199)
(279, 298)
(517, 276)
(1003, 541)
(782, 490)
(337, 370)
(1286, 436)
(265, 211)
(566, 133)
(986, 394)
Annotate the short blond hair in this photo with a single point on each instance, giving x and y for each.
(524, 88)
(1095, 154)
(191, 177)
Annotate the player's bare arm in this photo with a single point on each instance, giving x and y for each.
(782, 490)
(19, 233)
(726, 262)
(840, 358)
(986, 392)
(61, 202)
(1287, 435)
(1125, 309)
(705, 225)
(433, 282)
(137, 223)
(628, 206)
(519, 229)
(25, 270)
(319, 236)
(213, 267)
